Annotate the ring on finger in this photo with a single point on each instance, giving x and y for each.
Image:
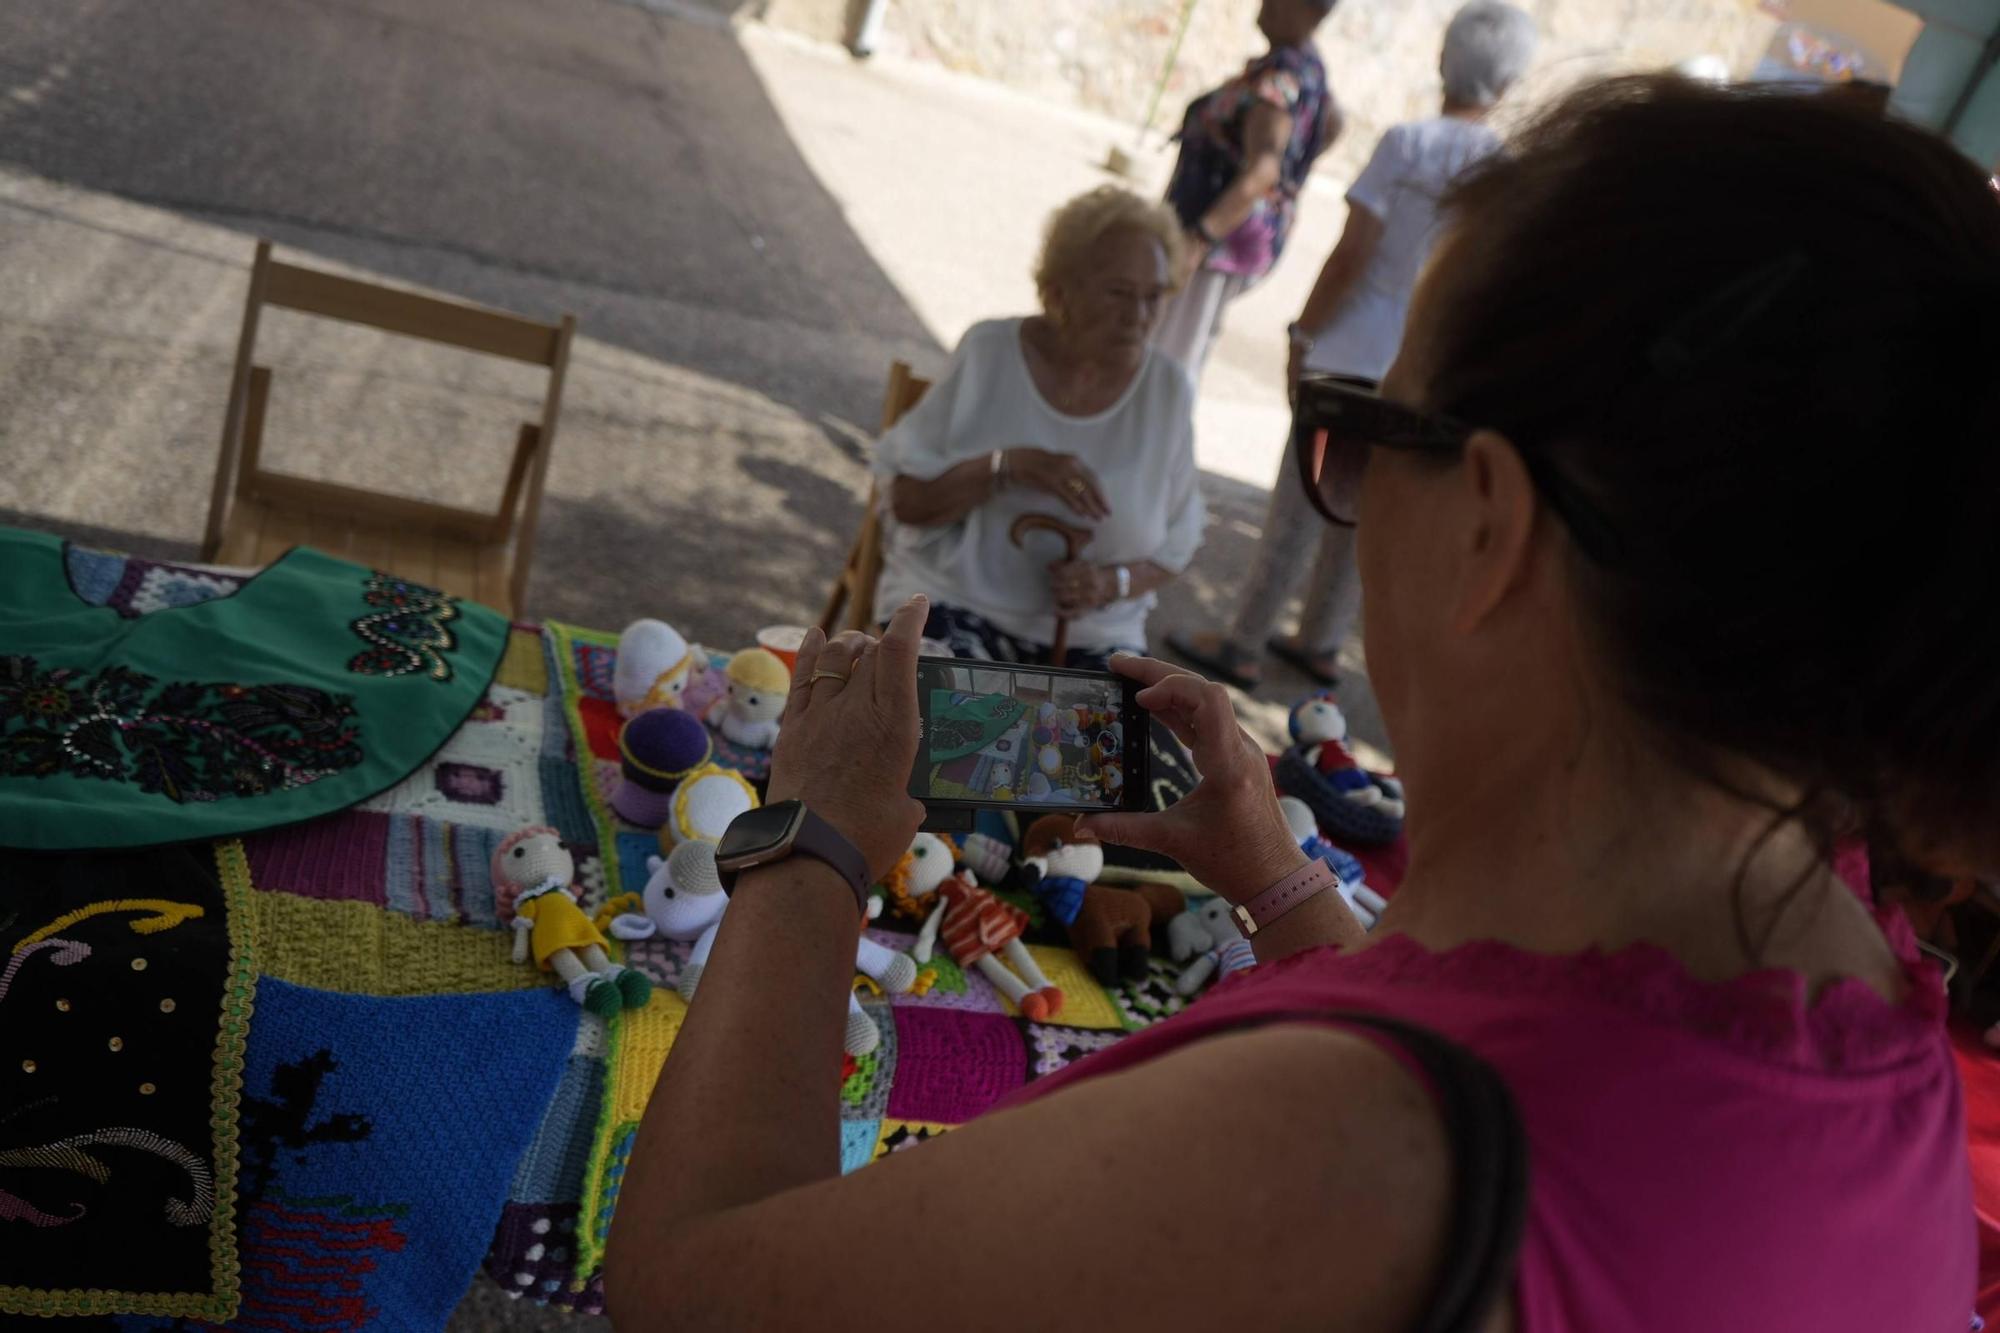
(823, 674)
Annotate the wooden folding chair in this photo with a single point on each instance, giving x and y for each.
(255, 515)
(855, 588)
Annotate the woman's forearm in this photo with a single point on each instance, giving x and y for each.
(1232, 207)
(945, 498)
(749, 1101)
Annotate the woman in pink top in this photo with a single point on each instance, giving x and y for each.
(1680, 551)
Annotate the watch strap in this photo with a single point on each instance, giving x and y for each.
(1308, 881)
(823, 842)
(814, 837)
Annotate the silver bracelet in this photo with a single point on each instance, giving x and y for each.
(998, 471)
(1124, 582)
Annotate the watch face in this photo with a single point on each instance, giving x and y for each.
(758, 831)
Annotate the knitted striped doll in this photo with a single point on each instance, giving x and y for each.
(532, 890)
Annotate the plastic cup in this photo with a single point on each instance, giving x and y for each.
(782, 642)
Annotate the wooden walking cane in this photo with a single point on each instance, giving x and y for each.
(1074, 539)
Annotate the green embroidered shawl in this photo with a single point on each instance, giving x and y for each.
(315, 685)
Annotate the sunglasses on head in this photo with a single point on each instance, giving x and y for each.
(1337, 419)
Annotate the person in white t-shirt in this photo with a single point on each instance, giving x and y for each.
(1067, 414)
(1352, 324)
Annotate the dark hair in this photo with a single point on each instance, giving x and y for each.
(1760, 332)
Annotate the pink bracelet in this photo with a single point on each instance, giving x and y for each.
(1308, 881)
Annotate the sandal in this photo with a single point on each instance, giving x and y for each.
(1224, 661)
(1288, 651)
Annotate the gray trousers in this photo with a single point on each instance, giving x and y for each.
(1333, 589)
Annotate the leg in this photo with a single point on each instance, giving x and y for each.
(1290, 524)
(1333, 596)
(1189, 321)
(588, 989)
(896, 972)
(1043, 1000)
(1003, 981)
(634, 987)
(862, 1036)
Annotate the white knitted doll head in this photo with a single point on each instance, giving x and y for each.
(758, 686)
(652, 667)
(684, 894)
(704, 804)
(524, 860)
(930, 864)
(1219, 920)
(1318, 720)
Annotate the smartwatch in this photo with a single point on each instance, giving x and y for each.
(772, 833)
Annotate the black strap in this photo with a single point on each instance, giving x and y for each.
(1489, 1168)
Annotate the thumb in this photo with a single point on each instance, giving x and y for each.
(1144, 831)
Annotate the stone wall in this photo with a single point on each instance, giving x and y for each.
(1381, 54)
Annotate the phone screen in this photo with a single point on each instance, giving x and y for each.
(995, 734)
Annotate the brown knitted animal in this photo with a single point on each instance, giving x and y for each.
(1110, 928)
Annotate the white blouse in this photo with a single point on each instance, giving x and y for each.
(1141, 448)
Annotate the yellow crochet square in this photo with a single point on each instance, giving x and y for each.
(523, 666)
(899, 1135)
(1085, 1005)
(643, 1039)
(359, 948)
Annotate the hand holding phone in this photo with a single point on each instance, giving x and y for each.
(1047, 739)
(1229, 832)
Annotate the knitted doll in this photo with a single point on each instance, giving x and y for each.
(683, 897)
(1210, 936)
(758, 687)
(1110, 928)
(1365, 903)
(657, 750)
(694, 874)
(704, 804)
(532, 874)
(1320, 729)
(652, 669)
(973, 925)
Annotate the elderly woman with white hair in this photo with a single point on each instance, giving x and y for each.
(1065, 415)
(1352, 324)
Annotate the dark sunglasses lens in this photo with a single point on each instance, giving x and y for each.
(1330, 463)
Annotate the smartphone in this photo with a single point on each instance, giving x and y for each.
(1040, 739)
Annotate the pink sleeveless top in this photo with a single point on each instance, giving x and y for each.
(1718, 1157)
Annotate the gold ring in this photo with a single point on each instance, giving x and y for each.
(1076, 486)
(819, 676)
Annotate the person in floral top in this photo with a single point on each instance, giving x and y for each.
(1246, 147)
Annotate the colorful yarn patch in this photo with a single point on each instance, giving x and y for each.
(900, 1135)
(122, 1029)
(1085, 1003)
(857, 1143)
(351, 946)
(1141, 1003)
(374, 1169)
(488, 774)
(864, 1094)
(639, 1040)
(551, 1171)
(952, 1066)
(534, 1256)
(524, 663)
(951, 987)
(1052, 1047)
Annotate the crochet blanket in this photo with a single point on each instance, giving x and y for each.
(420, 1105)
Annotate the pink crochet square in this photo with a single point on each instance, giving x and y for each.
(343, 856)
(951, 1065)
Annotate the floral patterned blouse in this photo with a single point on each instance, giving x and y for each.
(1291, 78)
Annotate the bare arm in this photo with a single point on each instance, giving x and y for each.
(1342, 271)
(1266, 131)
(1319, 1224)
(945, 498)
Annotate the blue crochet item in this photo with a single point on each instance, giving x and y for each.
(1061, 896)
(378, 1139)
(1345, 866)
(1338, 816)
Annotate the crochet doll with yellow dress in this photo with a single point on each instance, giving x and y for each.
(532, 891)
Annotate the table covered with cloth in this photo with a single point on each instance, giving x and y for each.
(282, 1072)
